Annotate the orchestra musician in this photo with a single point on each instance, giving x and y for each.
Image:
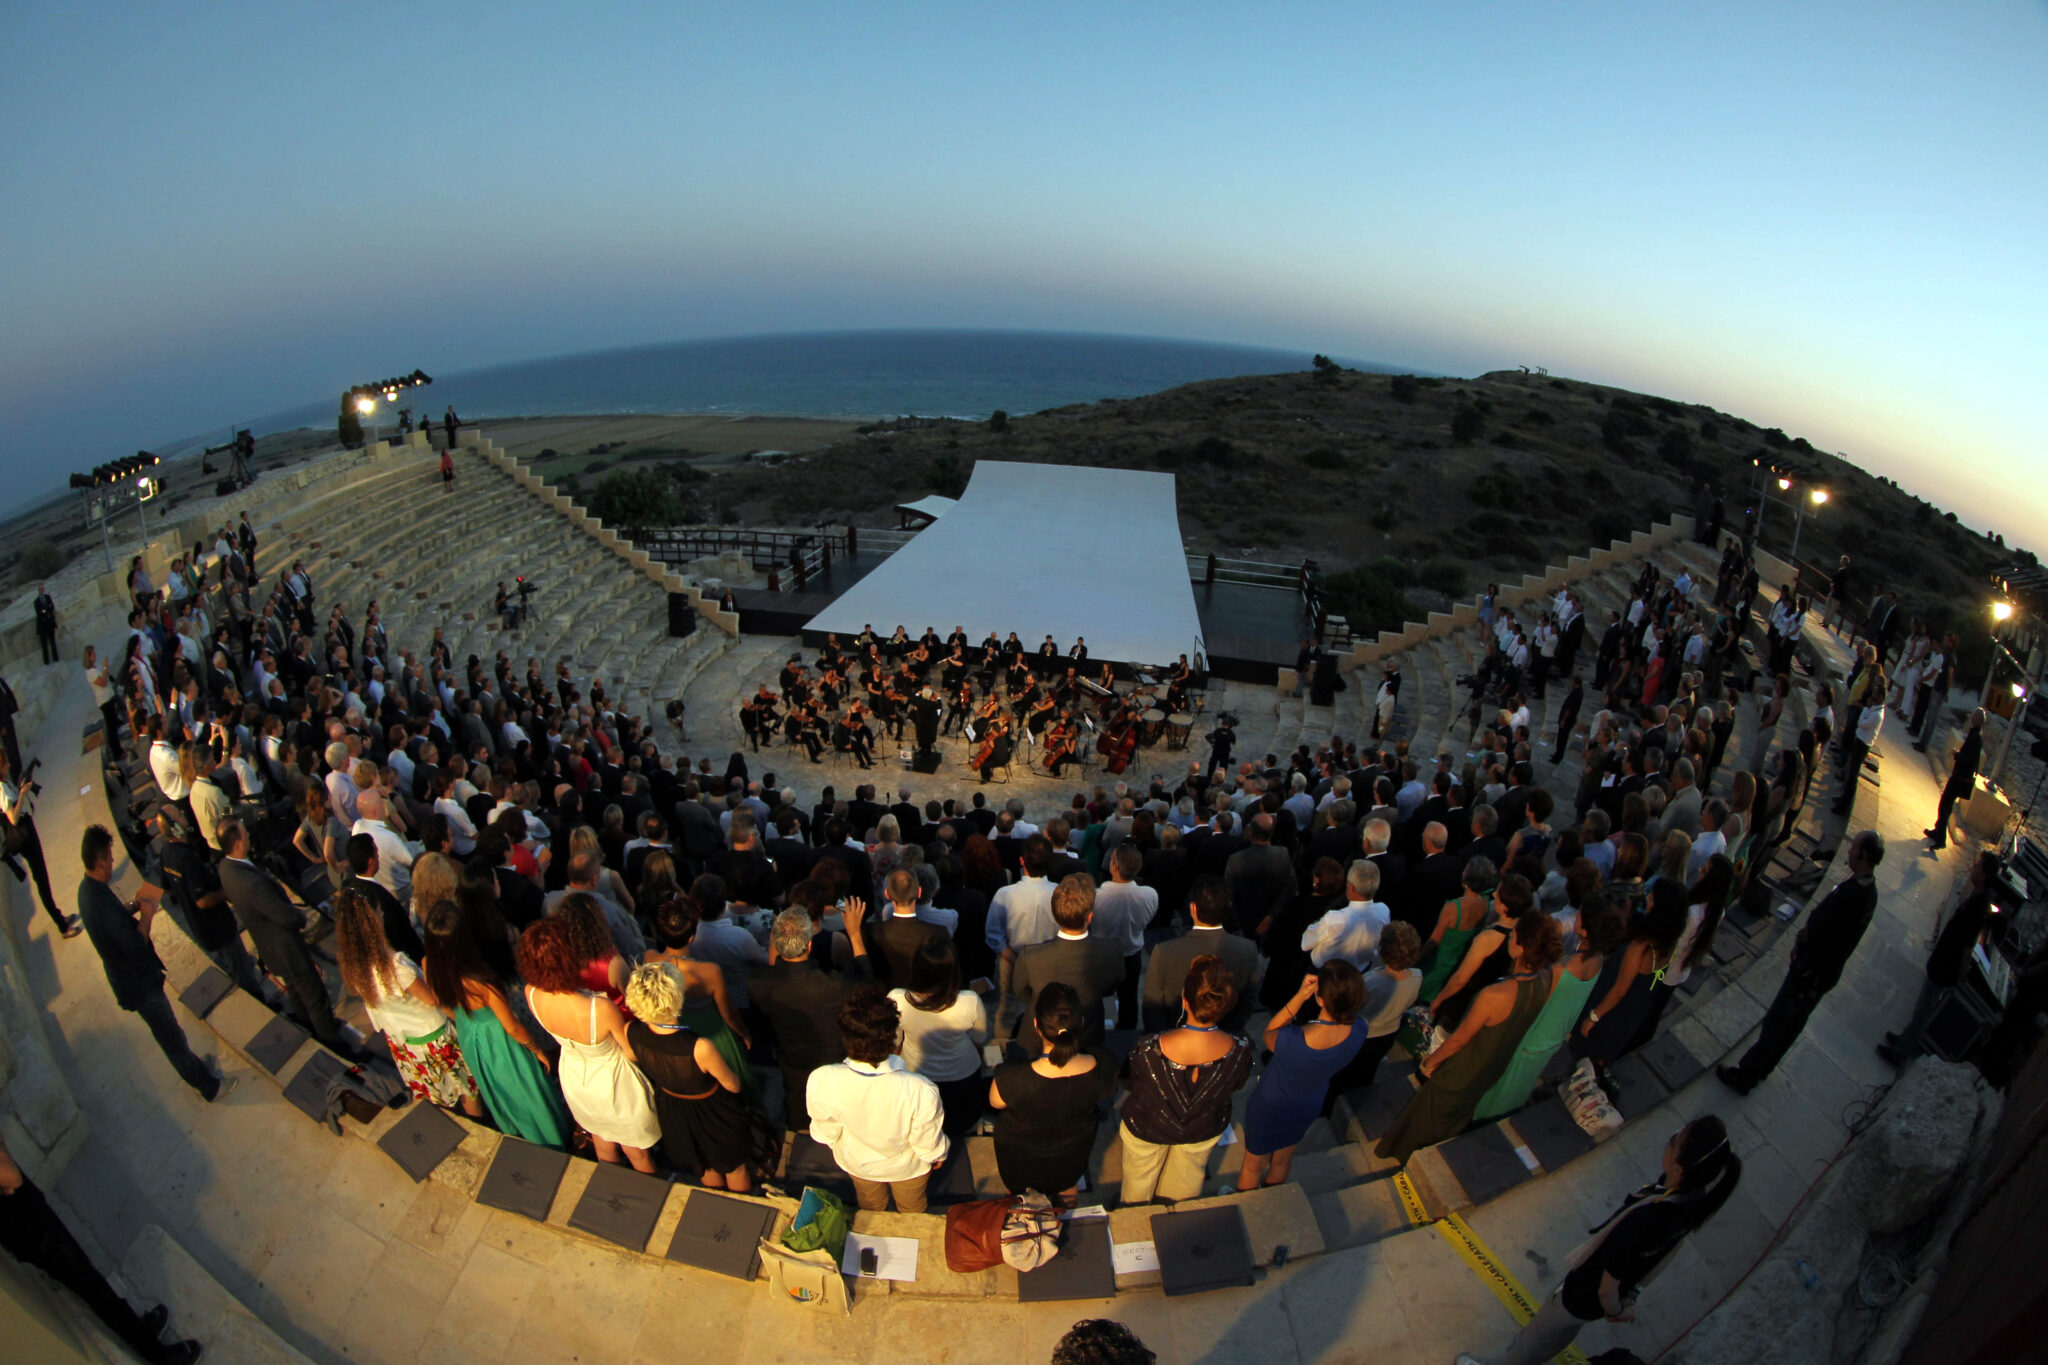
(959, 706)
(864, 642)
(995, 749)
(899, 644)
(802, 731)
(1068, 685)
(1048, 655)
(1040, 713)
(1079, 652)
(851, 736)
(1060, 742)
(1018, 675)
(958, 639)
(954, 671)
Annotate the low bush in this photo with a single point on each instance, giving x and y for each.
(43, 558)
(1446, 576)
(1322, 457)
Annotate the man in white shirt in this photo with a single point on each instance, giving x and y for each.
(882, 1121)
(1020, 827)
(1123, 911)
(1709, 841)
(1352, 931)
(1869, 721)
(1020, 915)
(163, 764)
(342, 791)
(394, 856)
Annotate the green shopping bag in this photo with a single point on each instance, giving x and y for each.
(821, 1222)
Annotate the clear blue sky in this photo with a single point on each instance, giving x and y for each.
(1832, 219)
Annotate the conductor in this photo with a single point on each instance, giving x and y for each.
(924, 715)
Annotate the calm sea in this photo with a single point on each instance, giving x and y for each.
(835, 374)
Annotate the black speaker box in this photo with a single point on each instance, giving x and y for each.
(926, 762)
(682, 615)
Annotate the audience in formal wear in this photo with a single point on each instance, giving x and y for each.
(1182, 1082)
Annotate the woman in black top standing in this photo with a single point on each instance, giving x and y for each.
(1608, 1271)
(1047, 1108)
(1182, 1081)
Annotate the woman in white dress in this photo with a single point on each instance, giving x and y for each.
(607, 1095)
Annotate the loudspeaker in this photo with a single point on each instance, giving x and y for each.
(925, 762)
(682, 615)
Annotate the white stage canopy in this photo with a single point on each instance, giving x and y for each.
(1042, 549)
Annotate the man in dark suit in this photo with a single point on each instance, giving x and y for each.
(120, 934)
(1260, 876)
(793, 858)
(1485, 842)
(860, 869)
(1392, 866)
(1166, 972)
(1064, 864)
(1431, 882)
(398, 930)
(1338, 838)
(800, 1004)
(748, 873)
(821, 814)
(519, 900)
(980, 816)
(1962, 778)
(909, 820)
(863, 812)
(261, 905)
(1514, 802)
(632, 802)
(900, 935)
(1091, 966)
(655, 832)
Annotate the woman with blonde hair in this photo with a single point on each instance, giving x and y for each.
(706, 1127)
(434, 879)
(610, 884)
(416, 1028)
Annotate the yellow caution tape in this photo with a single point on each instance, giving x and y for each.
(1479, 1257)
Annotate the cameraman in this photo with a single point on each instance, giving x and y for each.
(17, 806)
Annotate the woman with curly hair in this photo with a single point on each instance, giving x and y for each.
(423, 1042)
(599, 966)
(707, 1128)
(607, 1095)
(510, 1069)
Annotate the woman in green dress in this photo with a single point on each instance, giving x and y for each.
(1457, 924)
(1465, 1066)
(707, 1009)
(1602, 927)
(511, 1070)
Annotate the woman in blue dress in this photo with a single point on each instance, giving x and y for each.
(1306, 1054)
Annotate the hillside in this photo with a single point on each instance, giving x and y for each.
(1394, 483)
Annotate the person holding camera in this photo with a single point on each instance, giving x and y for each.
(23, 843)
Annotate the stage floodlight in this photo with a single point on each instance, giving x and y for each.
(1784, 485)
(2001, 611)
(366, 405)
(1819, 496)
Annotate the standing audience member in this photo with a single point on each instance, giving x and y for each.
(707, 1129)
(510, 1069)
(1962, 779)
(1307, 1053)
(423, 1042)
(944, 1028)
(1181, 1084)
(1459, 1071)
(801, 1003)
(1047, 1108)
(884, 1123)
(1123, 911)
(1601, 929)
(1088, 967)
(1829, 937)
(120, 935)
(1166, 973)
(1607, 1274)
(1390, 988)
(276, 924)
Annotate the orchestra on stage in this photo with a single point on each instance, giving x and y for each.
(1005, 701)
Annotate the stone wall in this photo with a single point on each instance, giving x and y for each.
(39, 1116)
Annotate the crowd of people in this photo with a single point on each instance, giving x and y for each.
(561, 927)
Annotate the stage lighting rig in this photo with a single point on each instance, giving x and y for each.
(387, 390)
(107, 488)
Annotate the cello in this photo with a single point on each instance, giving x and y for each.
(1118, 744)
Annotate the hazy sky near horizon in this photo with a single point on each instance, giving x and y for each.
(1826, 218)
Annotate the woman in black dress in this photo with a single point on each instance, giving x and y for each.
(1286, 963)
(707, 1130)
(1047, 1110)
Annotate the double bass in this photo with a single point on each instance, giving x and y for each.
(1118, 743)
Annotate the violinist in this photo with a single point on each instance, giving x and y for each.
(1068, 685)
(960, 706)
(831, 656)
(831, 688)
(888, 705)
(792, 673)
(1060, 743)
(751, 723)
(996, 747)
(1040, 714)
(851, 736)
(799, 730)
(1023, 702)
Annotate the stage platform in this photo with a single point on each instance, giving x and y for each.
(1059, 550)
